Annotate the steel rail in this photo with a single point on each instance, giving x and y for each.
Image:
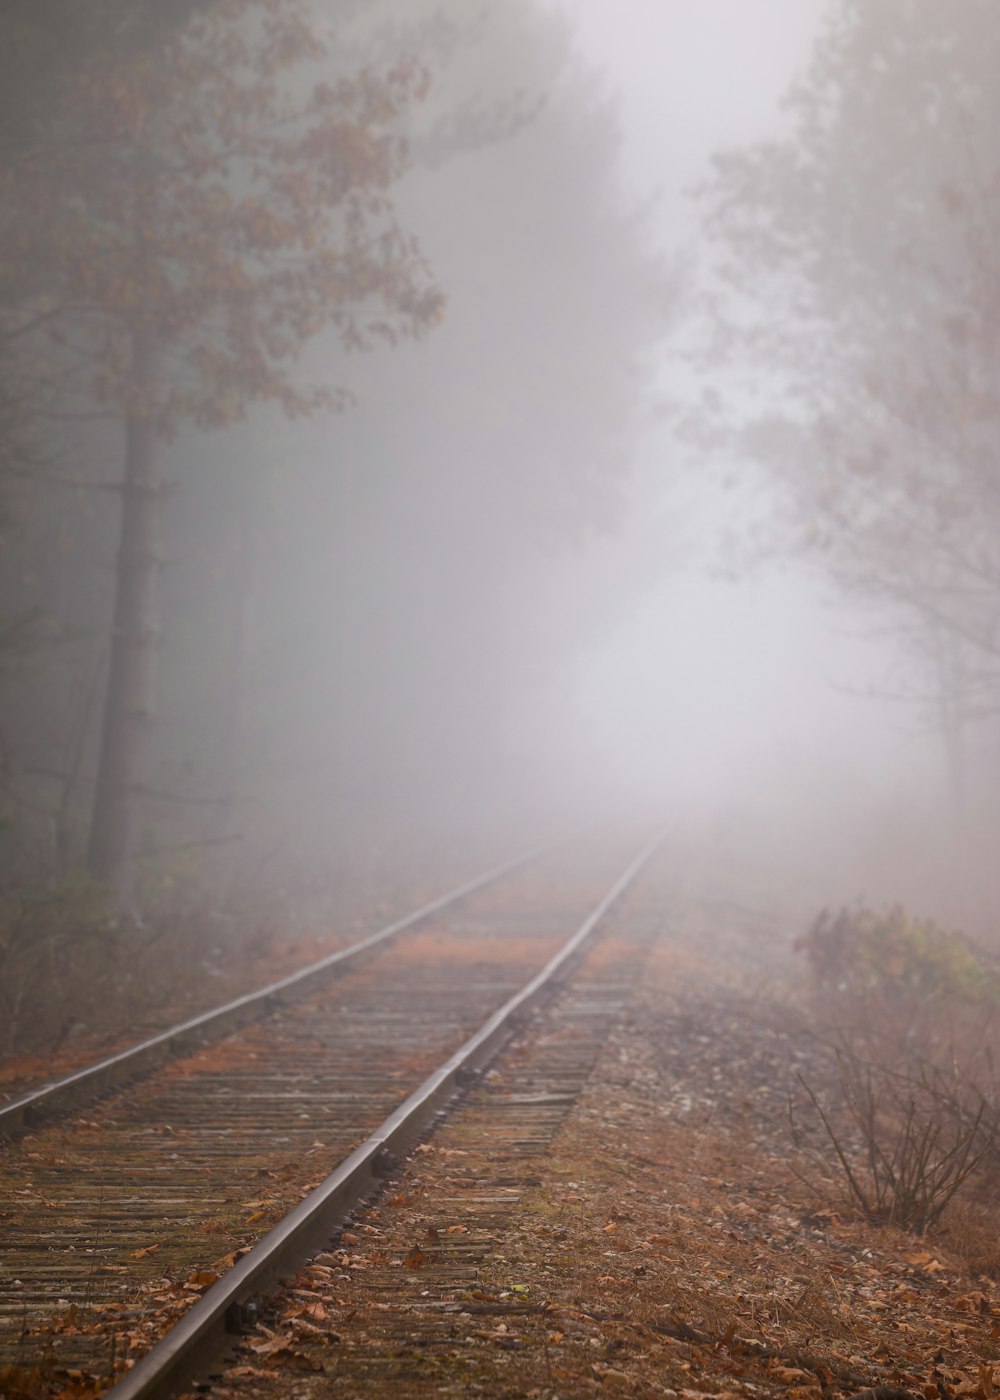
(197, 1341)
(84, 1085)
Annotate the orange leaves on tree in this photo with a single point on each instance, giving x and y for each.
(234, 219)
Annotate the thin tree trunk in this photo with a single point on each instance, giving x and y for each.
(240, 581)
(951, 683)
(240, 577)
(62, 821)
(117, 813)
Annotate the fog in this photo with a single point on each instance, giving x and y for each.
(519, 581)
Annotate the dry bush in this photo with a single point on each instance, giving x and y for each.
(908, 1015)
(904, 1152)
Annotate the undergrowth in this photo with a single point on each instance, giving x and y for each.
(908, 1015)
(73, 968)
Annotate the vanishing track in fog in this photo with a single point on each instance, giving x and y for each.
(86, 1084)
(123, 1215)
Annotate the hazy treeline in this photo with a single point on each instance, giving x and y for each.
(355, 289)
(345, 627)
(854, 327)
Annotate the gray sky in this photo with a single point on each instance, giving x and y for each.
(693, 75)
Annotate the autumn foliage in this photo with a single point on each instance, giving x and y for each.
(203, 192)
(192, 215)
(896, 957)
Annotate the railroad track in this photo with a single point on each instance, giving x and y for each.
(30, 1109)
(181, 1196)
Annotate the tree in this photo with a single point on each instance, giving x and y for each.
(446, 648)
(202, 210)
(42, 42)
(859, 282)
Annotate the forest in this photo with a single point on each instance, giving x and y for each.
(499, 664)
(302, 388)
(339, 358)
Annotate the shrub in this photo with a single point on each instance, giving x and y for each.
(916, 1149)
(892, 955)
(907, 1012)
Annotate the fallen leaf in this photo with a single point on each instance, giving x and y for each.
(790, 1375)
(609, 1375)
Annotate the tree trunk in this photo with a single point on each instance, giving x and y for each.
(240, 576)
(128, 704)
(952, 683)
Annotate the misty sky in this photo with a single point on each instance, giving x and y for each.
(691, 77)
(716, 686)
